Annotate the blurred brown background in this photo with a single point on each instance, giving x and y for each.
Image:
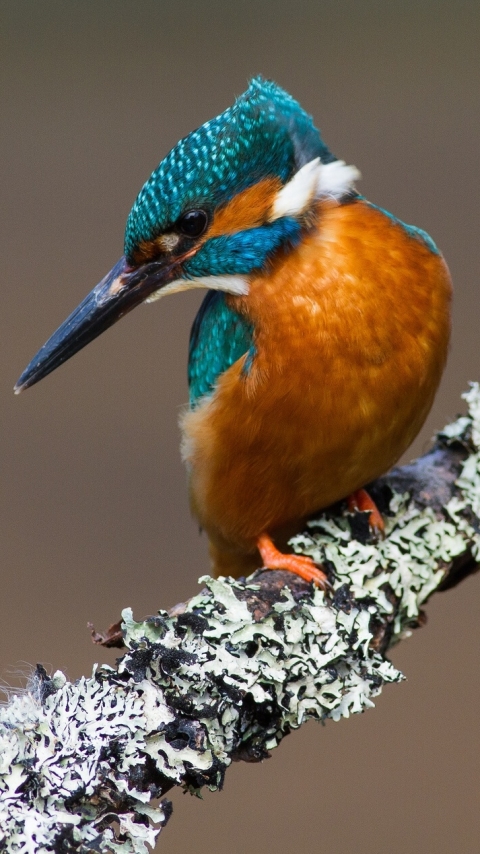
(94, 507)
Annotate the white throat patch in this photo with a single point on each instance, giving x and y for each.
(237, 285)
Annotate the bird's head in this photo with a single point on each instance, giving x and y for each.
(217, 208)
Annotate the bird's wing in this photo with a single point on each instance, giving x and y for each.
(219, 337)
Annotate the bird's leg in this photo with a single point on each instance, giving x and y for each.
(299, 564)
(361, 500)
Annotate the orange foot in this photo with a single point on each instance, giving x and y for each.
(361, 500)
(299, 564)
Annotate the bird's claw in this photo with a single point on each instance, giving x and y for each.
(300, 565)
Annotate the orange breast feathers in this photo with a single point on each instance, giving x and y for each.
(351, 336)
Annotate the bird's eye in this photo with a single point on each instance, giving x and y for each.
(192, 223)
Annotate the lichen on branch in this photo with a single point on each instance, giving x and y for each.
(239, 667)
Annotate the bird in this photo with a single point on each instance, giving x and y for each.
(318, 348)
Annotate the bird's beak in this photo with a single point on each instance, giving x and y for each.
(119, 291)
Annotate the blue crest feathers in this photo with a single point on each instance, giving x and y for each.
(265, 133)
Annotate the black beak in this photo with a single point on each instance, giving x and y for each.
(121, 290)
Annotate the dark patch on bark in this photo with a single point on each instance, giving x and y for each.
(41, 686)
(359, 523)
(193, 621)
(343, 599)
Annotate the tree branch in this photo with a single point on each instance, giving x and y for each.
(226, 676)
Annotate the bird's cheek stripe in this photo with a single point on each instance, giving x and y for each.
(243, 252)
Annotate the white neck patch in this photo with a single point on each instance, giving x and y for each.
(315, 180)
(237, 285)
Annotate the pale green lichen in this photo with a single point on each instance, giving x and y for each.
(417, 544)
(189, 691)
(56, 753)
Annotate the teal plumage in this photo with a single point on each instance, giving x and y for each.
(244, 251)
(219, 338)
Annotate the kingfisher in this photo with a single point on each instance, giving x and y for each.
(318, 348)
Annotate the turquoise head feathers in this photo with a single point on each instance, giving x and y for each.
(266, 133)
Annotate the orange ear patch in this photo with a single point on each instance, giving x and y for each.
(246, 210)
